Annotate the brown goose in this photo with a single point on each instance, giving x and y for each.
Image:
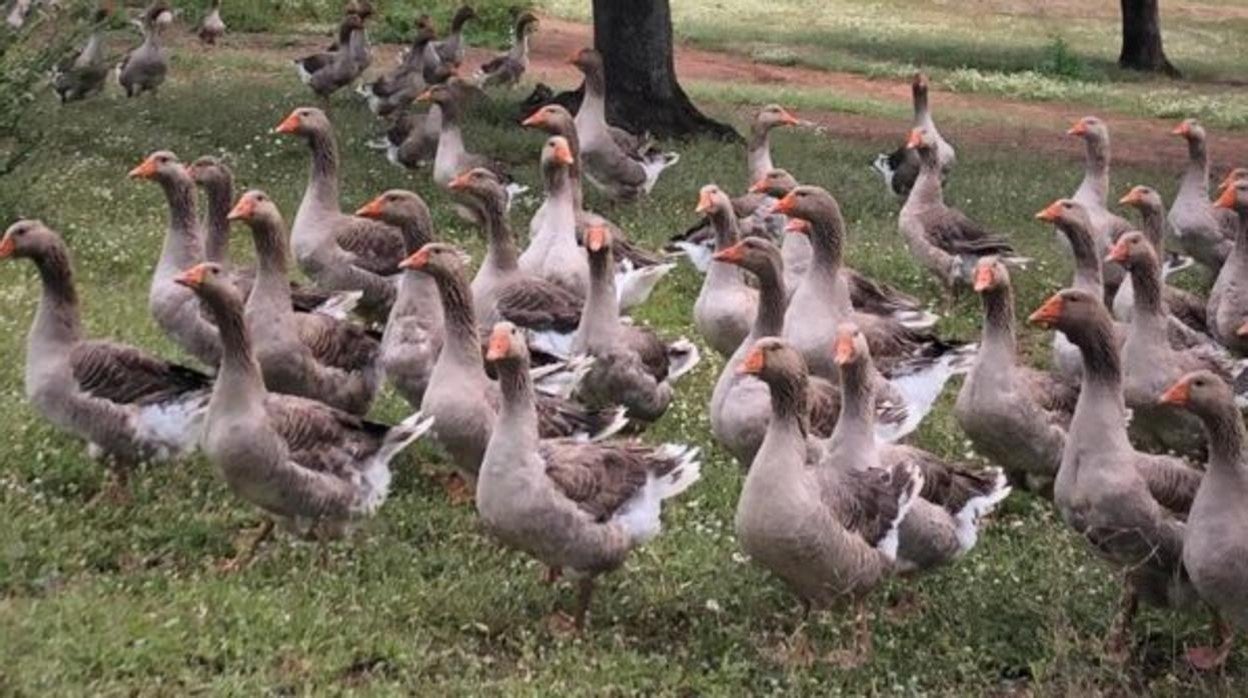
(758, 149)
(339, 252)
(1129, 506)
(632, 366)
(84, 72)
(144, 68)
(1215, 541)
(575, 505)
(306, 464)
(1202, 230)
(307, 354)
(941, 238)
(900, 169)
(505, 70)
(452, 158)
(397, 89)
(1228, 300)
(1015, 416)
(128, 405)
(211, 27)
(829, 533)
(414, 330)
(450, 51)
(726, 305)
(459, 394)
(1184, 305)
(347, 64)
(174, 307)
(309, 65)
(1093, 193)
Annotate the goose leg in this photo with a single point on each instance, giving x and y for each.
(863, 647)
(1213, 657)
(584, 594)
(1118, 643)
(248, 553)
(116, 490)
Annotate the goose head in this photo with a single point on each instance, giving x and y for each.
(306, 122)
(777, 182)
(990, 275)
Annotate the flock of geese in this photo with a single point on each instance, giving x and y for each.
(528, 373)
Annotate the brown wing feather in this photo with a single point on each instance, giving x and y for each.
(948, 485)
(954, 232)
(867, 501)
(1171, 482)
(823, 406)
(375, 246)
(601, 477)
(649, 348)
(344, 345)
(126, 375)
(540, 305)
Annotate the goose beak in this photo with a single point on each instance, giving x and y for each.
(371, 209)
(417, 261)
(563, 154)
(1118, 253)
(843, 350)
(7, 247)
(915, 139)
(788, 119)
(242, 210)
(1050, 214)
(753, 363)
(1177, 395)
(799, 226)
(1130, 198)
(984, 278)
(705, 203)
(145, 170)
(730, 255)
(191, 278)
(1182, 129)
(290, 124)
(1227, 199)
(460, 182)
(759, 187)
(425, 96)
(500, 344)
(595, 238)
(1046, 316)
(537, 118)
(1079, 129)
(787, 204)
(1242, 331)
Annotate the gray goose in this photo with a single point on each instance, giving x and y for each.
(1215, 542)
(314, 468)
(347, 64)
(1015, 416)
(143, 69)
(1092, 194)
(1202, 230)
(173, 307)
(309, 65)
(128, 405)
(1184, 305)
(726, 304)
(450, 51)
(570, 504)
(1127, 505)
(84, 72)
(308, 354)
(900, 169)
(397, 89)
(506, 70)
(337, 251)
(1228, 300)
(211, 27)
(632, 366)
(462, 397)
(830, 534)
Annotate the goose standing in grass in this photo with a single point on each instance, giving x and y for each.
(337, 251)
(312, 467)
(553, 253)
(726, 304)
(1015, 416)
(309, 65)
(1215, 541)
(506, 70)
(575, 506)
(1129, 506)
(1093, 192)
(176, 310)
(143, 69)
(1182, 304)
(316, 356)
(84, 72)
(829, 533)
(398, 88)
(1228, 300)
(450, 51)
(900, 169)
(211, 27)
(1203, 231)
(347, 64)
(128, 405)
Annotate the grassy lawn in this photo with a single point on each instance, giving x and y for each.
(1021, 49)
(125, 601)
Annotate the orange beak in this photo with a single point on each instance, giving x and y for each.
(1118, 253)
(1227, 199)
(705, 203)
(459, 183)
(193, 277)
(843, 349)
(914, 139)
(984, 277)
(1242, 331)
(290, 124)
(731, 255)
(563, 154)
(1177, 394)
(145, 170)
(595, 238)
(1131, 197)
(759, 187)
(797, 225)
(787, 118)
(500, 344)
(425, 96)
(242, 210)
(1182, 129)
(1078, 129)
(7, 247)
(574, 57)
(754, 363)
(787, 204)
(1050, 214)
(537, 118)
(1046, 315)
(371, 209)
(417, 261)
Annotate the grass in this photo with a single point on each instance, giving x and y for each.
(1010, 48)
(125, 601)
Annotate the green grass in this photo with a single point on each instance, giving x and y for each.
(1010, 48)
(125, 601)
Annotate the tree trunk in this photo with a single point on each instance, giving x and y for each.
(1141, 38)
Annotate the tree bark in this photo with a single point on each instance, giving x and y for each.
(1141, 38)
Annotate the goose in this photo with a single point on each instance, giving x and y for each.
(395, 90)
(143, 69)
(726, 304)
(1235, 175)
(900, 169)
(311, 355)
(309, 65)
(632, 366)
(414, 331)
(1214, 549)
(174, 307)
(211, 27)
(610, 168)
(758, 148)
(506, 69)
(462, 397)
(1228, 300)
(128, 405)
(1092, 194)
(1184, 305)
(1202, 230)
(84, 72)
(347, 64)
(829, 533)
(572, 505)
(339, 252)
(450, 51)
(1014, 415)
(553, 253)
(314, 468)
(452, 159)
(1127, 505)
